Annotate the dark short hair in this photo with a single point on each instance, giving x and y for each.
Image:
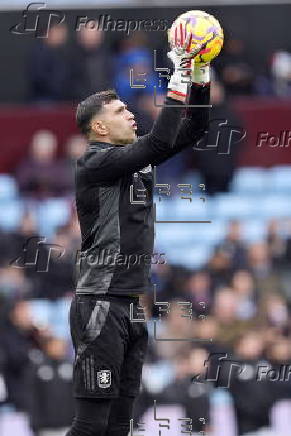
(89, 107)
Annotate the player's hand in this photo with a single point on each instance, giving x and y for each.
(186, 70)
(182, 43)
(181, 59)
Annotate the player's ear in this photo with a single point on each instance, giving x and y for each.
(99, 128)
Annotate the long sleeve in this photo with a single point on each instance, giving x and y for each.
(196, 122)
(117, 161)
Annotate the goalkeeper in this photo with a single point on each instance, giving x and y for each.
(110, 348)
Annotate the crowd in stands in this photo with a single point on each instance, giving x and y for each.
(59, 69)
(240, 323)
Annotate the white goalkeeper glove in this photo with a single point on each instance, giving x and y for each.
(182, 58)
(186, 71)
(181, 76)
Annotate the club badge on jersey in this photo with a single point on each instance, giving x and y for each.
(104, 378)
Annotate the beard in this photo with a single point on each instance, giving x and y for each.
(126, 140)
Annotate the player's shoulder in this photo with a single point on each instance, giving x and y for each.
(93, 156)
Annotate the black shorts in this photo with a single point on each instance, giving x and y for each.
(109, 347)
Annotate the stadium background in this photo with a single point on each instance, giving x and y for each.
(235, 270)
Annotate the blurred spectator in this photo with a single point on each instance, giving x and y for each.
(219, 266)
(281, 72)
(244, 288)
(215, 155)
(233, 246)
(193, 396)
(162, 275)
(74, 148)
(234, 68)
(278, 356)
(48, 67)
(135, 56)
(58, 280)
(198, 289)
(52, 401)
(19, 336)
(207, 330)
(41, 173)
(277, 245)
(225, 309)
(90, 64)
(229, 256)
(274, 310)
(170, 283)
(25, 236)
(3, 387)
(174, 326)
(13, 283)
(147, 112)
(288, 242)
(252, 397)
(5, 251)
(260, 261)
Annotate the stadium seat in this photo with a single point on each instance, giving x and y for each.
(280, 416)
(52, 314)
(196, 210)
(231, 206)
(163, 208)
(8, 187)
(52, 213)
(158, 375)
(279, 179)
(172, 236)
(14, 422)
(275, 206)
(41, 312)
(254, 230)
(185, 234)
(250, 180)
(190, 256)
(208, 233)
(11, 214)
(59, 318)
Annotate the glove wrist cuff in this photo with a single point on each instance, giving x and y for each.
(178, 83)
(201, 74)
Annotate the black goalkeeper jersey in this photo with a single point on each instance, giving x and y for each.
(114, 199)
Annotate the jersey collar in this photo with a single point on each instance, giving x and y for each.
(94, 145)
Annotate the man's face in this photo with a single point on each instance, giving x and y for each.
(115, 124)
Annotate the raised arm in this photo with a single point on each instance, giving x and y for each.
(195, 124)
(117, 161)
